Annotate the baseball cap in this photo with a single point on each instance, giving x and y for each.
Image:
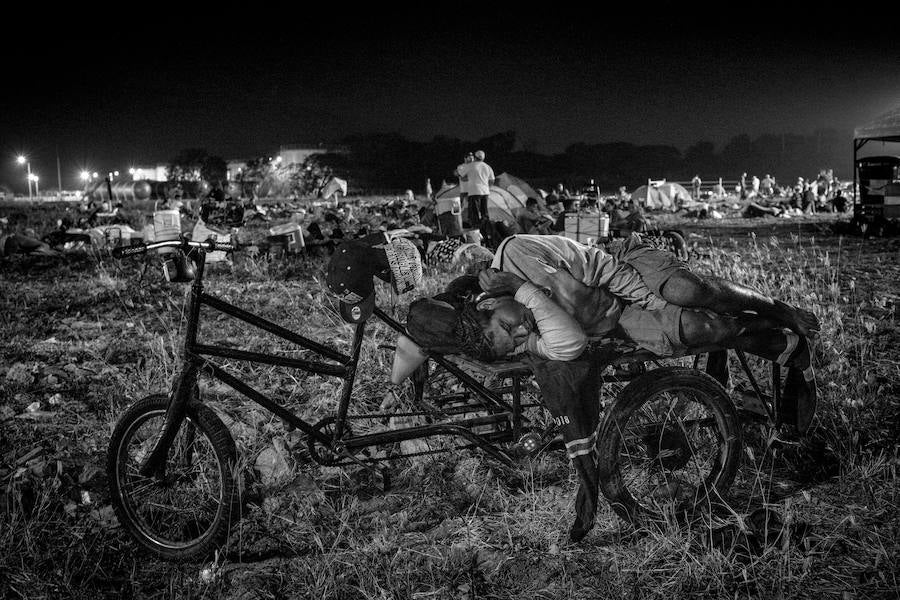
(349, 275)
(354, 263)
(479, 154)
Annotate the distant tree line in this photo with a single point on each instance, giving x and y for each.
(388, 162)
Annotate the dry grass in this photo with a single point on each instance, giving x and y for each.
(100, 334)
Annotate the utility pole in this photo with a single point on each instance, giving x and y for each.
(58, 175)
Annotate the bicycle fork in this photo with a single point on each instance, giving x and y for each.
(185, 384)
(184, 387)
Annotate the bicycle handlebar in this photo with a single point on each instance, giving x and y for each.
(209, 245)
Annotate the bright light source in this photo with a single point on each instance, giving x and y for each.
(278, 160)
(131, 171)
(21, 159)
(85, 176)
(116, 173)
(94, 175)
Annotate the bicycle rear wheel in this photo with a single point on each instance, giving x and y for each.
(188, 512)
(668, 446)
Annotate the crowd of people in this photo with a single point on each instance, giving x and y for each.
(823, 193)
(325, 224)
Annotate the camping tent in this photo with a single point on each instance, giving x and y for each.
(502, 205)
(519, 188)
(334, 185)
(663, 196)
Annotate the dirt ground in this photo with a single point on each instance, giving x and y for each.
(86, 335)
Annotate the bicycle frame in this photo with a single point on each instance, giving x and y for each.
(196, 360)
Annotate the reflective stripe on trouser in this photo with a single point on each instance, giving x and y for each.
(571, 392)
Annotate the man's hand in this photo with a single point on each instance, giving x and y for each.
(495, 281)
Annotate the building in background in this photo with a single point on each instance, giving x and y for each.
(157, 173)
(298, 153)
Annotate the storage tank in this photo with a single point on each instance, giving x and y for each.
(120, 191)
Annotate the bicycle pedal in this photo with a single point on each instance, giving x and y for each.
(529, 443)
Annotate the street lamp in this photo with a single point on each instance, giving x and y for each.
(35, 179)
(24, 161)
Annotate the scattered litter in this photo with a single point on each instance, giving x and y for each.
(88, 473)
(272, 465)
(20, 374)
(105, 517)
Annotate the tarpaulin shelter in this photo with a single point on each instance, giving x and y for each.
(663, 196)
(502, 205)
(334, 185)
(879, 176)
(519, 188)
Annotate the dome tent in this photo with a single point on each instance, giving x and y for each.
(661, 196)
(519, 188)
(502, 205)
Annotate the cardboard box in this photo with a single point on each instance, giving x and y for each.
(289, 235)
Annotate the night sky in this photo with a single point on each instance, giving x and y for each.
(107, 92)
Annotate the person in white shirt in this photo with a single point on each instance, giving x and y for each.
(480, 177)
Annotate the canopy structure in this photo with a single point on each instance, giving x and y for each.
(502, 205)
(884, 128)
(519, 188)
(663, 196)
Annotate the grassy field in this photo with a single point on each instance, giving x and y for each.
(86, 335)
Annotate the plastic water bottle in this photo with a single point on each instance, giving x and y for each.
(604, 226)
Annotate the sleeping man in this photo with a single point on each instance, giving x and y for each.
(548, 296)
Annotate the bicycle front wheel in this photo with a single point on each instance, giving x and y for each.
(188, 512)
(669, 445)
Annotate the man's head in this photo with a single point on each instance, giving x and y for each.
(479, 155)
(505, 324)
(463, 320)
(469, 157)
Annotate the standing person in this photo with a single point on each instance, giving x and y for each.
(695, 184)
(743, 185)
(481, 178)
(462, 173)
(810, 197)
(767, 186)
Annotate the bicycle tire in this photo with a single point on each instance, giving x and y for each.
(208, 459)
(665, 447)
